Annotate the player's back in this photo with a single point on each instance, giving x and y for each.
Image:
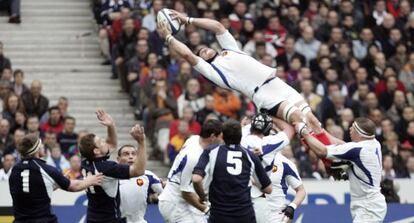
(103, 201)
(243, 72)
(229, 191)
(31, 185)
(283, 174)
(134, 193)
(187, 158)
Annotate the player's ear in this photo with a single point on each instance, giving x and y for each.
(96, 151)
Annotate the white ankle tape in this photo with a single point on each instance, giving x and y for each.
(305, 108)
(288, 111)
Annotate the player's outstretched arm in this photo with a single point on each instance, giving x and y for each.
(106, 120)
(181, 49)
(138, 168)
(209, 24)
(315, 145)
(91, 180)
(285, 127)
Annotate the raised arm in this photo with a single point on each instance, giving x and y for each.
(91, 180)
(209, 24)
(181, 49)
(317, 147)
(138, 168)
(106, 120)
(285, 127)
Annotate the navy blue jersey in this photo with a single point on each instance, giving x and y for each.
(103, 201)
(32, 182)
(230, 169)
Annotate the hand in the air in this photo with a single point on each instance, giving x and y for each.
(163, 29)
(181, 18)
(137, 132)
(104, 118)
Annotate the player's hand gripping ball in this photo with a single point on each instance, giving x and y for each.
(166, 15)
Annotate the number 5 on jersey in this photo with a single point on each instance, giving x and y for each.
(234, 159)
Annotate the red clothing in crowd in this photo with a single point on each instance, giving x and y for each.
(47, 127)
(194, 127)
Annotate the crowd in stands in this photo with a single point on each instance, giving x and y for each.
(26, 110)
(348, 58)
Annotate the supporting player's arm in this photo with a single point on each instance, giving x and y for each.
(317, 147)
(194, 200)
(289, 210)
(91, 180)
(209, 24)
(285, 127)
(181, 49)
(198, 186)
(138, 168)
(106, 120)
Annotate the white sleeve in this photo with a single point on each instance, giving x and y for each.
(293, 179)
(347, 151)
(187, 174)
(227, 42)
(272, 144)
(209, 72)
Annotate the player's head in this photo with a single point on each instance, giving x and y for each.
(362, 129)
(211, 131)
(92, 147)
(127, 154)
(31, 146)
(261, 124)
(207, 54)
(232, 132)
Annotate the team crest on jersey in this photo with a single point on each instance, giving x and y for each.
(224, 53)
(140, 182)
(274, 169)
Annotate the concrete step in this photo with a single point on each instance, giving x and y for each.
(67, 61)
(42, 75)
(80, 5)
(115, 103)
(36, 26)
(84, 89)
(57, 12)
(81, 95)
(116, 116)
(63, 68)
(80, 82)
(48, 19)
(91, 39)
(45, 46)
(33, 33)
(52, 54)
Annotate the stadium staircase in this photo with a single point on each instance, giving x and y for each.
(57, 44)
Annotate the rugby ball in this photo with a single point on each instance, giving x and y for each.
(164, 16)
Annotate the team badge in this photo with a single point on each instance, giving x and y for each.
(140, 182)
(224, 53)
(274, 169)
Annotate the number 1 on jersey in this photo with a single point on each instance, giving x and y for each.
(25, 180)
(234, 158)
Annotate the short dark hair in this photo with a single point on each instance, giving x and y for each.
(366, 125)
(232, 132)
(69, 118)
(53, 108)
(26, 144)
(18, 71)
(124, 146)
(211, 126)
(87, 145)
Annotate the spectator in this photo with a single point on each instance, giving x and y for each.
(33, 126)
(17, 138)
(7, 74)
(285, 59)
(397, 107)
(6, 140)
(377, 16)
(323, 32)
(190, 97)
(208, 109)
(12, 105)
(390, 143)
(34, 102)
(226, 102)
(56, 159)
(13, 7)
(360, 46)
(74, 149)
(387, 168)
(74, 171)
(8, 161)
(68, 137)
(188, 116)
(50, 141)
(346, 8)
(19, 87)
(55, 122)
(404, 153)
(258, 36)
(307, 93)
(307, 44)
(410, 167)
(407, 73)
(399, 59)
(239, 14)
(177, 140)
(4, 61)
(149, 21)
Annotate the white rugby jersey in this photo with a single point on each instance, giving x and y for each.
(365, 173)
(134, 193)
(283, 174)
(233, 69)
(181, 172)
(270, 145)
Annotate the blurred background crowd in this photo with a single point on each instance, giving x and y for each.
(348, 58)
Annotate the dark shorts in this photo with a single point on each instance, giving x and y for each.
(50, 219)
(272, 111)
(215, 218)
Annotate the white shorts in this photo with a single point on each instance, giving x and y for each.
(179, 213)
(276, 216)
(275, 92)
(371, 210)
(261, 210)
